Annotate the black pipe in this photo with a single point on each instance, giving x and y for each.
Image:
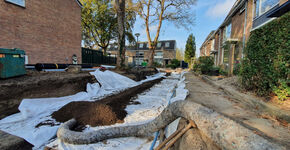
(41, 66)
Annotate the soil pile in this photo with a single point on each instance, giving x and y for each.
(107, 111)
(89, 113)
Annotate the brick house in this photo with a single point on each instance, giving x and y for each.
(208, 46)
(244, 17)
(48, 30)
(164, 53)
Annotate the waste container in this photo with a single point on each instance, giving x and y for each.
(12, 63)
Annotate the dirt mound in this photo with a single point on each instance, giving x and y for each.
(107, 111)
(90, 113)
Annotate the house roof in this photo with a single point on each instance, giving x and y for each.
(236, 7)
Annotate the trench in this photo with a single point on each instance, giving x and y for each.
(106, 111)
(39, 85)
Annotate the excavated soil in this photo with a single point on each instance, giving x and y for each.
(40, 85)
(107, 111)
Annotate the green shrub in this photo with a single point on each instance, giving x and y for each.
(267, 58)
(157, 64)
(222, 71)
(204, 65)
(282, 91)
(174, 64)
(237, 68)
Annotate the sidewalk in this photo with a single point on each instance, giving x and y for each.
(205, 94)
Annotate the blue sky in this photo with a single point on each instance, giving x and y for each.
(209, 15)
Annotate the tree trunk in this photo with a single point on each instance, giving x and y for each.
(121, 33)
(151, 57)
(220, 129)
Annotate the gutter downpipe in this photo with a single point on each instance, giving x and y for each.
(245, 26)
(219, 48)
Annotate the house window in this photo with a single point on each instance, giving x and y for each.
(158, 44)
(262, 6)
(159, 54)
(212, 44)
(141, 45)
(17, 2)
(227, 32)
(147, 45)
(167, 44)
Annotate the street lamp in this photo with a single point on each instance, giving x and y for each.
(137, 35)
(137, 52)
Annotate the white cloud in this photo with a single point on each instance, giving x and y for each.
(220, 9)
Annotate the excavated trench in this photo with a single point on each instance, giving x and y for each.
(107, 111)
(39, 85)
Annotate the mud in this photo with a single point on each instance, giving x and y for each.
(107, 111)
(40, 85)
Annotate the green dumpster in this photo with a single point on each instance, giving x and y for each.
(12, 63)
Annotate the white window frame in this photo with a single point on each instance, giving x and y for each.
(158, 44)
(17, 2)
(141, 45)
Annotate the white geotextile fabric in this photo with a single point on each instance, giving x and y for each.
(35, 111)
(152, 103)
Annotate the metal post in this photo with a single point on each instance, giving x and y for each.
(137, 49)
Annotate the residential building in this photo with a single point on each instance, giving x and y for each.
(135, 55)
(245, 16)
(208, 47)
(48, 30)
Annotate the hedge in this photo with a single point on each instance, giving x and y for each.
(204, 65)
(265, 68)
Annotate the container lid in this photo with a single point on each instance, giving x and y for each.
(11, 51)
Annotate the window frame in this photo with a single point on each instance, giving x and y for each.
(167, 44)
(225, 38)
(141, 45)
(260, 7)
(212, 44)
(159, 44)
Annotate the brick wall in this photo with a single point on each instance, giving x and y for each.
(169, 54)
(249, 24)
(238, 26)
(48, 30)
(282, 2)
(208, 47)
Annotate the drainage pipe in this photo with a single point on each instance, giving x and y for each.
(41, 66)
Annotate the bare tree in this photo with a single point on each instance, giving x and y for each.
(154, 12)
(120, 6)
